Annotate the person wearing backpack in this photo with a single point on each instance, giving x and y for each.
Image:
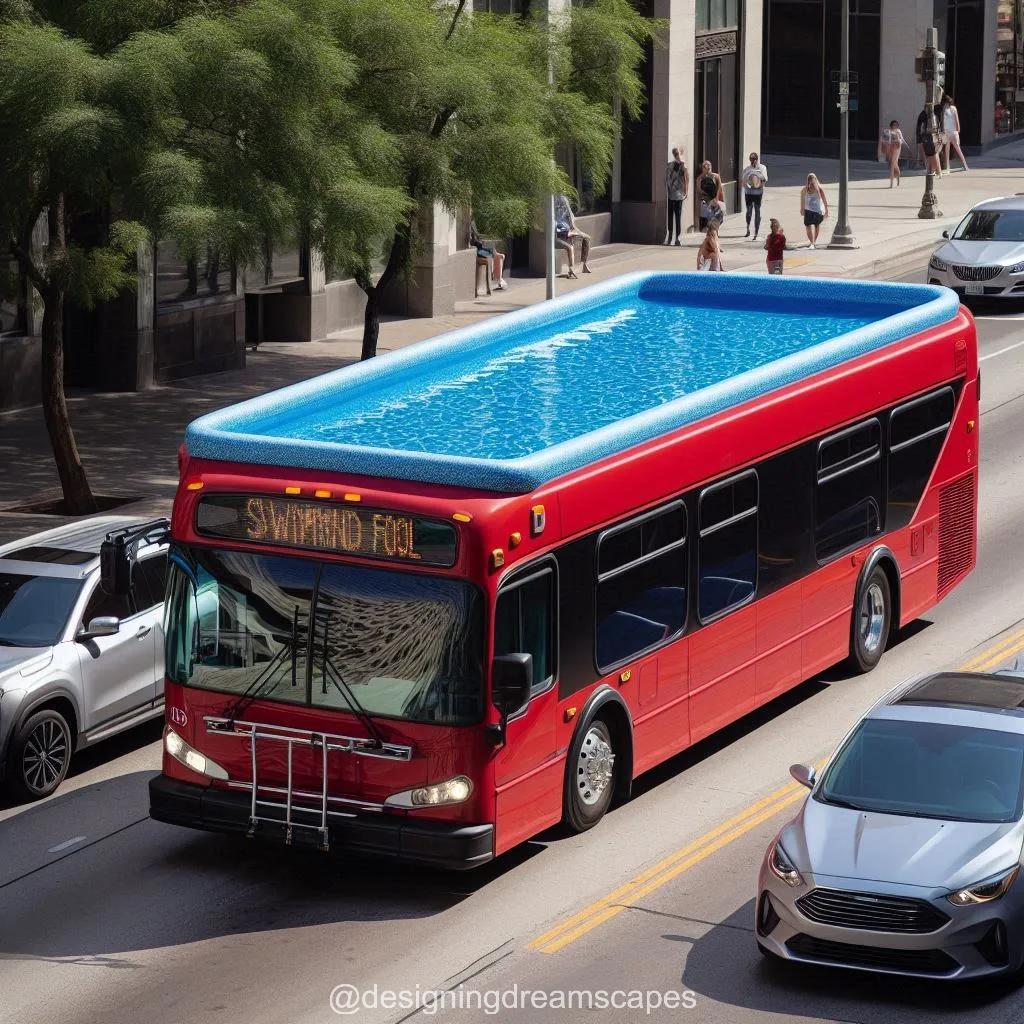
(711, 192)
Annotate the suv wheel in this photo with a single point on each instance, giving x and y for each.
(40, 756)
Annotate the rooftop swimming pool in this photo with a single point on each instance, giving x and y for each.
(518, 399)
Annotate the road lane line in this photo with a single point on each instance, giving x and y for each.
(624, 890)
(569, 930)
(996, 650)
(656, 883)
(74, 841)
(1002, 351)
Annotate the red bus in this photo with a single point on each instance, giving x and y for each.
(434, 653)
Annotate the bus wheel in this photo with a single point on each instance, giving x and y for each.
(590, 778)
(872, 620)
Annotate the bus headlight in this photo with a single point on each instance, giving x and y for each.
(454, 791)
(191, 758)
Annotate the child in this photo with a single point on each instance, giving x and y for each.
(775, 245)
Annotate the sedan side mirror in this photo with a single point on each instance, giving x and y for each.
(945, 234)
(102, 625)
(511, 681)
(804, 774)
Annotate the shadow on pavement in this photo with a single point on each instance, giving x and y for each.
(725, 965)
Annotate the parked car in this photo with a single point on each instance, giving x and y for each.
(76, 664)
(905, 857)
(984, 256)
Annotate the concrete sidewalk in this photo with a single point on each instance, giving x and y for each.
(129, 441)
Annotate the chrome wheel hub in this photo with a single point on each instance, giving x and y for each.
(45, 756)
(872, 618)
(595, 768)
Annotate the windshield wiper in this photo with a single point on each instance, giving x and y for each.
(345, 690)
(837, 802)
(256, 688)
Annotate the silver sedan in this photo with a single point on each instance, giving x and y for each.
(905, 857)
(984, 256)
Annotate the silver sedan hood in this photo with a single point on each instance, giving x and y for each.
(829, 840)
(989, 254)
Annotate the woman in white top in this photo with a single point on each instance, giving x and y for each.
(951, 126)
(813, 208)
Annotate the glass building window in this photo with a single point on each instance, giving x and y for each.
(1009, 106)
(13, 297)
(180, 278)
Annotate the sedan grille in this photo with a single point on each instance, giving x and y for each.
(976, 273)
(870, 912)
(915, 961)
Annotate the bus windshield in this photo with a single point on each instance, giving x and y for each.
(409, 645)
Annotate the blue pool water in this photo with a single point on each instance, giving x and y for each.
(614, 361)
(510, 403)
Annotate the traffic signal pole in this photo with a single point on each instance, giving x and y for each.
(842, 236)
(931, 69)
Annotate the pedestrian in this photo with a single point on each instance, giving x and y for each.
(951, 126)
(926, 144)
(709, 255)
(775, 246)
(677, 185)
(485, 250)
(755, 177)
(891, 144)
(566, 232)
(813, 208)
(711, 191)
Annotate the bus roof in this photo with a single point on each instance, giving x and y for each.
(511, 403)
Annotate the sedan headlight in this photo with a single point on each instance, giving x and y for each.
(936, 264)
(984, 892)
(782, 867)
(191, 758)
(454, 791)
(1017, 268)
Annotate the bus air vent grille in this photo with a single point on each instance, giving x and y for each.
(956, 531)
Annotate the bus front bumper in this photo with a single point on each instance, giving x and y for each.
(437, 844)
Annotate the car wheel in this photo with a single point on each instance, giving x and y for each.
(590, 777)
(40, 755)
(872, 620)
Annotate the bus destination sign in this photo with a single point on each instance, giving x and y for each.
(319, 526)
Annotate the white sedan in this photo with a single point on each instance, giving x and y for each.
(985, 254)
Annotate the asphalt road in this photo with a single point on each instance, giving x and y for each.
(108, 916)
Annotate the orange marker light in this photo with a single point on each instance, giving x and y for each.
(570, 714)
(625, 675)
(321, 493)
(970, 426)
(293, 490)
(194, 485)
(538, 520)
(353, 497)
(497, 558)
(462, 517)
(515, 539)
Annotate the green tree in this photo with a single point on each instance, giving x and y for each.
(218, 129)
(466, 99)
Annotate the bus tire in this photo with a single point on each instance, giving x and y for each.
(39, 756)
(872, 621)
(590, 776)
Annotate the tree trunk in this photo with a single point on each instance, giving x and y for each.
(371, 324)
(78, 497)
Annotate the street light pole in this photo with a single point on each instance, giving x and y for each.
(931, 60)
(842, 236)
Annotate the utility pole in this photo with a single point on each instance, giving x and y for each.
(842, 236)
(930, 66)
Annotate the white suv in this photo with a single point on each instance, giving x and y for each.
(76, 664)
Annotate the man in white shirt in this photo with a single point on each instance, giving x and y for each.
(754, 178)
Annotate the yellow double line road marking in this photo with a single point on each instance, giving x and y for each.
(675, 864)
(722, 835)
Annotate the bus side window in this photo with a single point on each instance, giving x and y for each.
(523, 622)
(917, 431)
(728, 545)
(848, 498)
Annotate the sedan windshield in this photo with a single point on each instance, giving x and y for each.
(991, 226)
(929, 770)
(34, 609)
(408, 644)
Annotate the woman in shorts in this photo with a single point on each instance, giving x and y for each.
(813, 208)
(951, 126)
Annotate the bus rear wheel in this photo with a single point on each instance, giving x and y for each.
(872, 621)
(590, 777)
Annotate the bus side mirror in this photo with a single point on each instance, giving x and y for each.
(511, 680)
(115, 567)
